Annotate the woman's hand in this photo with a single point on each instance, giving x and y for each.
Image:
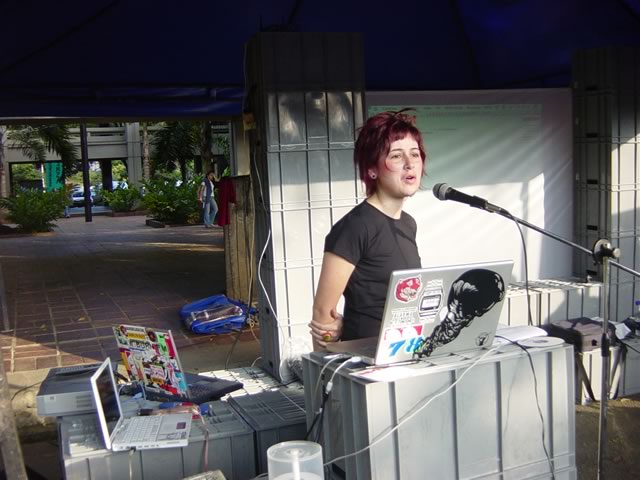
(326, 322)
(324, 333)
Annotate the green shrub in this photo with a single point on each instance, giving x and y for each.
(169, 200)
(122, 199)
(33, 210)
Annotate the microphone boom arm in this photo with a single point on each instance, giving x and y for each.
(601, 248)
(601, 253)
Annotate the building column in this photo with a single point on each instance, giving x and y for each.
(4, 166)
(307, 99)
(134, 154)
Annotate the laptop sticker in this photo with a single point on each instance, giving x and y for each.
(472, 295)
(149, 357)
(431, 300)
(403, 316)
(402, 339)
(408, 289)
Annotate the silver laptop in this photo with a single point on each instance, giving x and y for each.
(119, 433)
(436, 311)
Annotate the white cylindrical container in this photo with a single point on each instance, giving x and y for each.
(295, 460)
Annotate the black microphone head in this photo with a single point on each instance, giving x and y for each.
(440, 191)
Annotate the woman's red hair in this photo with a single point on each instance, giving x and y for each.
(375, 139)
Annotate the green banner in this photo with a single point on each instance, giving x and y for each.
(53, 176)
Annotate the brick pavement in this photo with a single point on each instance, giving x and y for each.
(66, 289)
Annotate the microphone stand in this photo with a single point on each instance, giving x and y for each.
(601, 253)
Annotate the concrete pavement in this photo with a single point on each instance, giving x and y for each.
(64, 291)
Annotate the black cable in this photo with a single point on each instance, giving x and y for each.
(23, 389)
(235, 340)
(313, 424)
(535, 389)
(318, 419)
(321, 421)
(526, 272)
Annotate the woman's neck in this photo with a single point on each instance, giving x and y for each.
(392, 207)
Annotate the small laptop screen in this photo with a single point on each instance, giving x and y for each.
(108, 400)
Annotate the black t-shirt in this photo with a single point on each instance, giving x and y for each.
(377, 245)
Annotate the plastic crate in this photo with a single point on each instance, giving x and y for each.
(230, 449)
(275, 417)
(254, 380)
(487, 426)
(551, 299)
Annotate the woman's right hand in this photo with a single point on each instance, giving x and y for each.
(328, 332)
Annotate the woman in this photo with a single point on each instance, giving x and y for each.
(376, 237)
(206, 197)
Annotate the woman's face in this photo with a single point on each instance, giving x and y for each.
(399, 173)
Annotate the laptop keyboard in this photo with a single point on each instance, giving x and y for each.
(142, 429)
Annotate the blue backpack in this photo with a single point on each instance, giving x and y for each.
(215, 315)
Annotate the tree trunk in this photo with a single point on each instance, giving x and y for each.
(183, 170)
(106, 170)
(146, 164)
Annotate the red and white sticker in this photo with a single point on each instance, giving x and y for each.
(408, 289)
(402, 333)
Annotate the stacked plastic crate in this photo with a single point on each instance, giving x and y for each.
(606, 89)
(305, 92)
(275, 417)
(550, 300)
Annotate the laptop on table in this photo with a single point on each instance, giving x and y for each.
(437, 310)
(119, 433)
(150, 356)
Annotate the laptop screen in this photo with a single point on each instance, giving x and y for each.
(105, 396)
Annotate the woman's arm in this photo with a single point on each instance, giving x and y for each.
(334, 276)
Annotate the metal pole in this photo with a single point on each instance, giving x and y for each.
(604, 353)
(9, 440)
(84, 149)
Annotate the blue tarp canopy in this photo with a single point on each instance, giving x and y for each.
(166, 59)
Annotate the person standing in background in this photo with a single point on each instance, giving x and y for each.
(206, 198)
(68, 191)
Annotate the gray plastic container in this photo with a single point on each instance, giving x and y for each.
(275, 417)
(485, 426)
(230, 449)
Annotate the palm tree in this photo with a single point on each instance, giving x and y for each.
(174, 145)
(36, 140)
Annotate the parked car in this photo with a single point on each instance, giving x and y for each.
(77, 197)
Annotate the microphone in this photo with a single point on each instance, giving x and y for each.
(443, 191)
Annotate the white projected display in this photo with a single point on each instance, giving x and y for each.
(512, 148)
